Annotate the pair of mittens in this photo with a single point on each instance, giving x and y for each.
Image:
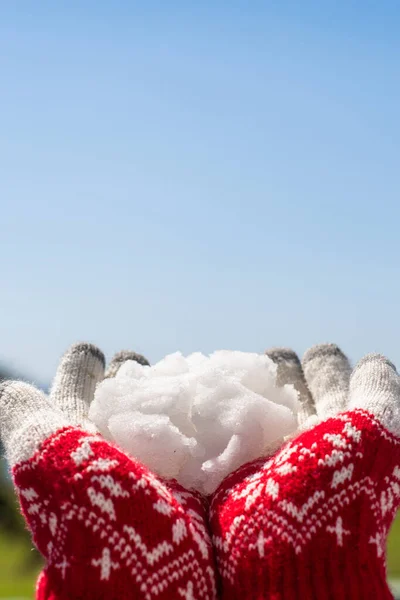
(309, 522)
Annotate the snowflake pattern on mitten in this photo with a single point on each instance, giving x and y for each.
(109, 528)
(312, 521)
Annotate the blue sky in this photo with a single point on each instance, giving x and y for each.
(194, 176)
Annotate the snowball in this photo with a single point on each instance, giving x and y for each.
(197, 418)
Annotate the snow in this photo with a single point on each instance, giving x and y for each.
(197, 418)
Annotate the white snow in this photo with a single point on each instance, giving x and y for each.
(196, 418)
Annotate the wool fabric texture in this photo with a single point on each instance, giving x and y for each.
(311, 523)
(108, 528)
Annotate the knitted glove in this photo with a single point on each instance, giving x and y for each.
(331, 387)
(289, 371)
(107, 527)
(311, 522)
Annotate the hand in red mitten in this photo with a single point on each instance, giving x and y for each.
(311, 522)
(106, 526)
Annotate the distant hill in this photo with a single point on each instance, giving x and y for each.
(7, 373)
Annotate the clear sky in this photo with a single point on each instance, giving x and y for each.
(198, 175)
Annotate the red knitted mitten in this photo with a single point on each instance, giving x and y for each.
(107, 527)
(311, 522)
